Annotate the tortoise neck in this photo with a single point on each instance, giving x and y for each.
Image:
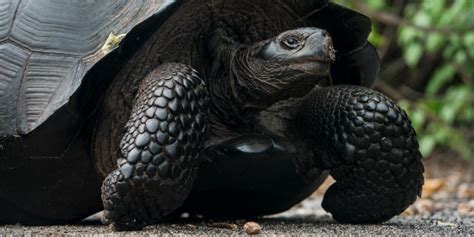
(229, 92)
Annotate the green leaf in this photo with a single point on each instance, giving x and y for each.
(455, 40)
(418, 118)
(442, 134)
(469, 43)
(376, 4)
(427, 145)
(449, 113)
(454, 101)
(376, 38)
(412, 54)
(467, 114)
(435, 7)
(422, 19)
(434, 42)
(460, 57)
(442, 76)
(433, 105)
(407, 35)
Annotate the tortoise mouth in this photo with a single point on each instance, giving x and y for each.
(315, 67)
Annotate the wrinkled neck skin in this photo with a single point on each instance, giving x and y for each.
(241, 86)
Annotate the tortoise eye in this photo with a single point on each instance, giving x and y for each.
(290, 42)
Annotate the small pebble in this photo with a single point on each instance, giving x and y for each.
(431, 186)
(442, 194)
(466, 209)
(424, 206)
(466, 190)
(408, 212)
(252, 228)
(447, 224)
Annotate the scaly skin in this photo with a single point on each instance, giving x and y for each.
(213, 37)
(368, 144)
(160, 149)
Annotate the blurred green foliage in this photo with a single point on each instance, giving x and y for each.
(443, 113)
(440, 122)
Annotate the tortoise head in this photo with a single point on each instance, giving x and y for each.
(307, 49)
(288, 65)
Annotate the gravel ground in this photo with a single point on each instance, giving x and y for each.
(447, 222)
(446, 208)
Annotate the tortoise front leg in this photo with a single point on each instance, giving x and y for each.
(368, 144)
(160, 149)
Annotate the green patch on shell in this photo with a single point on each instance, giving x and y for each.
(112, 42)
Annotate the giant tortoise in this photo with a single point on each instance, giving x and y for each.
(223, 108)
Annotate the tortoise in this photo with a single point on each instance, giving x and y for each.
(224, 108)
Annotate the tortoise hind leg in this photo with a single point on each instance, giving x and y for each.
(370, 149)
(160, 149)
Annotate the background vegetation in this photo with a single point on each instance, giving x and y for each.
(427, 52)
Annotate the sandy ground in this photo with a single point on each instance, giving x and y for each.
(447, 207)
